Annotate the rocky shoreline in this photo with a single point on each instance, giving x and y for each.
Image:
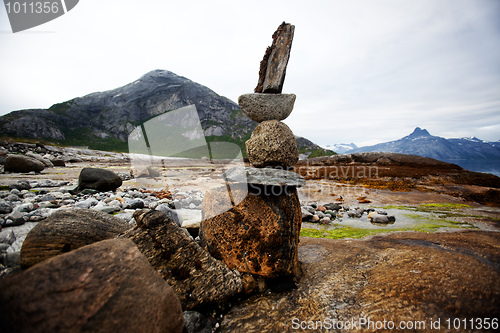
(327, 205)
(404, 173)
(20, 210)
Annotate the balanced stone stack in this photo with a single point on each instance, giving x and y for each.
(258, 231)
(272, 142)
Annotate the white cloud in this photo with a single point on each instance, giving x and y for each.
(363, 71)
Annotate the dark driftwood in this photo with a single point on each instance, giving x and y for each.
(273, 65)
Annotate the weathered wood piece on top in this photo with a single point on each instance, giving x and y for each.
(273, 65)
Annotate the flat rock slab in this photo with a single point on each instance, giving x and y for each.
(107, 286)
(262, 107)
(399, 277)
(264, 176)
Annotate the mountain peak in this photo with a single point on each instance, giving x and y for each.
(159, 72)
(473, 138)
(421, 143)
(418, 133)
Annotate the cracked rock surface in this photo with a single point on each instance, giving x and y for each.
(196, 277)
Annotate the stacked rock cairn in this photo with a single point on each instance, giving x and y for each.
(258, 234)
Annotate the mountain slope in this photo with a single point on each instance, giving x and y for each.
(111, 116)
(311, 149)
(104, 120)
(422, 143)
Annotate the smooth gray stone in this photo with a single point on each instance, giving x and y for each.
(20, 185)
(264, 176)
(133, 204)
(171, 213)
(195, 322)
(5, 207)
(383, 219)
(22, 164)
(11, 259)
(306, 215)
(262, 107)
(7, 236)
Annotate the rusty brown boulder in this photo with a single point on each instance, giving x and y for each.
(107, 286)
(259, 235)
(67, 230)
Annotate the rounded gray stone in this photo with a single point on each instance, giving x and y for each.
(383, 219)
(262, 107)
(171, 213)
(22, 164)
(272, 144)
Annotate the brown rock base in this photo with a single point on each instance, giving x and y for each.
(259, 235)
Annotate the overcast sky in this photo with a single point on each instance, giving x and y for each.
(364, 71)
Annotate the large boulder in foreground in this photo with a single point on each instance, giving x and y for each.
(108, 286)
(98, 179)
(259, 235)
(197, 278)
(22, 164)
(67, 230)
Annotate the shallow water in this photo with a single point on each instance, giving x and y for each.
(402, 220)
(479, 165)
(405, 219)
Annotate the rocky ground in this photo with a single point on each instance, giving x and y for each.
(405, 173)
(408, 267)
(402, 280)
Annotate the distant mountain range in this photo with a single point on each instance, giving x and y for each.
(341, 148)
(104, 120)
(422, 143)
